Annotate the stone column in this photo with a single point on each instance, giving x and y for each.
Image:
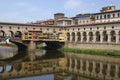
(76, 37)
(81, 37)
(32, 46)
(88, 37)
(109, 37)
(117, 37)
(101, 37)
(70, 37)
(94, 37)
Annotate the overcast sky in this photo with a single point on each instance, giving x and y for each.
(34, 10)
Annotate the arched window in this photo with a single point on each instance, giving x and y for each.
(18, 34)
(84, 37)
(113, 36)
(68, 36)
(90, 36)
(73, 36)
(2, 34)
(97, 34)
(78, 37)
(105, 36)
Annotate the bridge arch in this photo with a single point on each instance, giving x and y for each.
(18, 34)
(11, 34)
(2, 34)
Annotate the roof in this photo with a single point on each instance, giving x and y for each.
(107, 12)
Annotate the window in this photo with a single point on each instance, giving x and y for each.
(101, 17)
(10, 27)
(104, 27)
(97, 27)
(113, 15)
(90, 28)
(1, 27)
(118, 14)
(84, 28)
(97, 17)
(112, 27)
(26, 28)
(78, 29)
(33, 28)
(104, 16)
(18, 27)
(108, 16)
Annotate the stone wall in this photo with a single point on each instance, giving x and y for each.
(93, 46)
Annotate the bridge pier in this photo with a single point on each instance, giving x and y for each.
(31, 46)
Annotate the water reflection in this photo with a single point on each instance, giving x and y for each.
(7, 52)
(59, 66)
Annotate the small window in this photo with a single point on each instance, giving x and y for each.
(112, 27)
(47, 29)
(1, 27)
(26, 28)
(113, 15)
(73, 29)
(78, 29)
(84, 28)
(104, 27)
(10, 27)
(18, 27)
(97, 27)
(33, 28)
(90, 28)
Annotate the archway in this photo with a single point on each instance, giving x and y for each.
(78, 37)
(105, 36)
(18, 34)
(2, 34)
(73, 36)
(113, 36)
(10, 34)
(97, 34)
(90, 36)
(68, 36)
(84, 36)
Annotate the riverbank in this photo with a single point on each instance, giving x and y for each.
(101, 52)
(11, 45)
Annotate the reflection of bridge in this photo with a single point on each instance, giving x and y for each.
(24, 69)
(28, 40)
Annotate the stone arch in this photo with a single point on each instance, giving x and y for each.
(78, 36)
(2, 34)
(18, 34)
(1, 69)
(68, 36)
(119, 35)
(84, 36)
(105, 36)
(11, 34)
(9, 68)
(90, 36)
(97, 34)
(73, 36)
(113, 36)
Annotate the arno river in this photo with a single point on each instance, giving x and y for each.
(56, 65)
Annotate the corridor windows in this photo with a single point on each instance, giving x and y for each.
(97, 34)
(84, 36)
(105, 36)
(90, 36)
(113, 36)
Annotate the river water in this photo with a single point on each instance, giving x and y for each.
(76, 64)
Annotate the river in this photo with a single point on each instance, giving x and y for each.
(56, 65)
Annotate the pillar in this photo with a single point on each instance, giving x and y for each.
(32, 46)
(88, 37)
(94, 37)
(117, 36)
(81, 37)
(76, 37)
(101, 37)
(109, 37)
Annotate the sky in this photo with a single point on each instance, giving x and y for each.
(23, 11)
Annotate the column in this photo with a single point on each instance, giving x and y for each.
(109, 37)
(101, 37)
(117, 37)
(76, 37)
(81, 37)
(88, 37)
(94, 37)
(70, 37)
